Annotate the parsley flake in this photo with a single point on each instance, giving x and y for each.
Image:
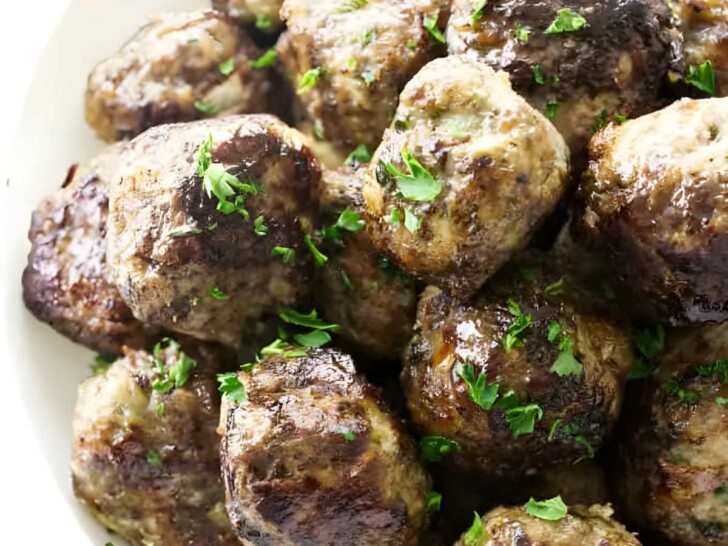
(232, 388)
(702, 77)
(555, 288)
(358, 155)
(566, 21)
(516, 328)
(433, 29)
(550, 510)
(176, 374)
(476, 535)
(216, 293)
(226, 67)
(286, 254)
(552, 107)
(259, 227)
(309, 80)
(318, 257)
(480, 392)
(566, 363)
(478, 10)
(348, 435)
(523, 33)
(433, 501)
(522, 419)
(419, 184)
(266, 59)
(207, 108)
(412, 222)
(434, 448)
(154, 458)
(539, 76)
(263, 22)
(101, 363)
(307, 320)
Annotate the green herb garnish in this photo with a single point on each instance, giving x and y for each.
(566, 21)
(232, 388)
(434, 448)
(549, 510)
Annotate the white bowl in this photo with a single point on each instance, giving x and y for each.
(45, 368)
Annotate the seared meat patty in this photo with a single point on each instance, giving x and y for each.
(581, 74)
(655, 200)
(582, 526)
(65, 282)
(179, 67)
(372, 300)
(673, 457)
(313, 457)
(211, 255)
(463, 177)
(521, 377)
(145, 455)
(350, 60)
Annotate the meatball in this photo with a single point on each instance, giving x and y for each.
(350, 60)
(583, 526)
(180, 67)
(65, 282)
(145, 453)
(463, 177)
(264, 14)
(704, 24)
(313, 457)
(372, 300)
(673, 462)
(211, 255)
(521, 378)
(612, 64)
(655, 200)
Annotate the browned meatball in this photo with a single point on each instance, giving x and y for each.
(313, 457)
(463, 177)
(264, 14)
(522, 377)
(655, 201)
(674, 457)
(180, 67)
(211, 256)
(145, 453)
(582, 526)
(65, 282)
(350, 60)
(373, 302)
(704, 24)
(614, 62)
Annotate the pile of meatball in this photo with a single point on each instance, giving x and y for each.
(402, 272)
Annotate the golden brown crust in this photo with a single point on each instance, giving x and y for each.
(654, 200)
(466, 126)
(169, 66)
(293, 477)
(579, 410)
(366, 54)
(65, 282)
(616, 64)
(118, 429)
(166, 278)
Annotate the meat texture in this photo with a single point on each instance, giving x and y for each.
(179, 67)
(350, 60)
(673, 457)
(582, 526)
(612, 63)
(373, 302)
(145, 453)
(212, 255)
(66, 280)
(463, 177)
(313, 457)
(655, 201)
(522, 377)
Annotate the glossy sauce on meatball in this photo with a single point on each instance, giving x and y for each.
(313, 457)
(609, 57)
(210, 256)
(179, 67)
(463, 177)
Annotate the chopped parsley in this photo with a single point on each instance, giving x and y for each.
(360, 154)
(550, 510)
(419, 184)
(702, 77)
(346, 280)
(621, 118)
(566, 21)
(352, 5)
(259, 227)
(318, 257)
(478, 10)
(434, 448)
(263, 22)
(411, 44)
(207, 108)
(523, 33)
(348, 435)
(566, 363)
(522, 419)
(307, 320)
(516, 328)
(600, 122)
(411, 221)
(185, 231)
(555, 288)
(266, 59)
(719, 369)
(433, 29)
(367, 37)
(232, 388)
(286, 254)
(674, 387)
(101, 363)
(226, 67)
(480, 392)
(160, 410)
(650, 343)
(316, 338)
(721, 401)
(539, 76)
(552, 107)
(176, 374)
(154, 458)
(476, 535)
(216, 293)
(394, 218)
(433, 501)
(554, 331)
(350, 220)
(309, 80)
